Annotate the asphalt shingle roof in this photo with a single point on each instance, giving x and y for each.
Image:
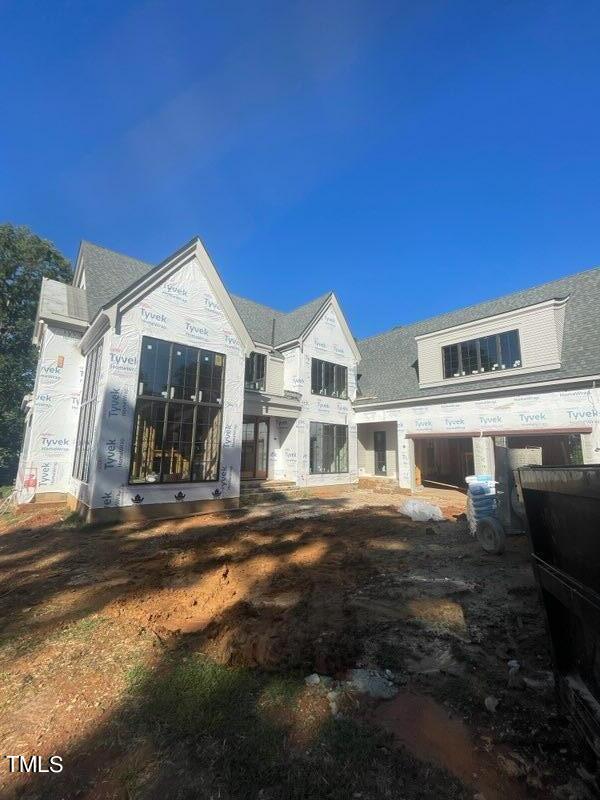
(107, 274)
(389, 360)
(257, 318)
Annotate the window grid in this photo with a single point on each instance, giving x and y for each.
(87, 414)
(486, 354)
(328, 449)
(255, 372)
(329, 380)
(178, 414)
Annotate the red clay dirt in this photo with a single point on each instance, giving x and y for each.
(318, 585)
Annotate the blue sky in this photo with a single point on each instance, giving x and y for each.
(413, 157)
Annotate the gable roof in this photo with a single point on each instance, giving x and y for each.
(257, 318)
(107, 273)
(389, 363)
(268, 326)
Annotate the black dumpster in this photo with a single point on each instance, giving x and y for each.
(562, 506)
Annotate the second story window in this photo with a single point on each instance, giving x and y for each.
(255, 372)
(330, 380)
(487, 354)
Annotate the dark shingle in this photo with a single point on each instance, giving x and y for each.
(389, 360)
(259, 319)
(107, 274)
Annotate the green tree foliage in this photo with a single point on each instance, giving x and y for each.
(24, 260)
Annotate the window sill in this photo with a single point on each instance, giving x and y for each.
(173, 485)
(484, 376)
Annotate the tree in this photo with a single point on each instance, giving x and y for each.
(24, 260)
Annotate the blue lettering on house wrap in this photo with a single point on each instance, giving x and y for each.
(154, 317)
(455, 422)
(423, 423)
(47, 474)
(117, 402)
(113, 453)
(494, 420)
(210, 304)
(583, 414)
(176, 291)
(197, 331)
(50, 442)
(228, 435)
(51, 370)
(125, 363)
(540, 416)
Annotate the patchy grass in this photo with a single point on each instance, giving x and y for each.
(223, 718)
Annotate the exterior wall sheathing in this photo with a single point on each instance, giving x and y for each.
(573, 410)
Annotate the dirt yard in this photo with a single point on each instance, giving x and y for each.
(169, 659)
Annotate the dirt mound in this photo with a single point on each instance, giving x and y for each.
(274, 610)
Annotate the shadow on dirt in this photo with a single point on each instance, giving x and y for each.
(207, 625)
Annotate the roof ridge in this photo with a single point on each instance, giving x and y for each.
(275, 310)
(481, 303)
(117, 253)
(256, 303)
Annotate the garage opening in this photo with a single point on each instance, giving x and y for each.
(550, 450)
(443, 461)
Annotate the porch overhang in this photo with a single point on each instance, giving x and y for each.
(262, 404)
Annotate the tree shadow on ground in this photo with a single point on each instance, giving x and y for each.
(237, 609)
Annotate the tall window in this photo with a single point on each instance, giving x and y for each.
(87, 414)
(328, 448)
(177, 423)
(486, 354)
(255, 371)
(330, 380)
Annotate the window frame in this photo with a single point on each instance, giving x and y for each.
(262, 356)
(169, 401)
(453, 353)
(88, 411)
(318, 368)
(335, 427)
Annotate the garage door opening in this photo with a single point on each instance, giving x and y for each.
(550, 450)
(443, 461)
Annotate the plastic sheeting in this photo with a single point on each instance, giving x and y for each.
(563, 410)
(327, 341)
(51, 425)
(183, 309)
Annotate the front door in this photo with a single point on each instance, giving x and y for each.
(255, 448)
(380, 452)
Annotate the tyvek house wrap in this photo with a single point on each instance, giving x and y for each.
(184, 310)
(326, 341)
(46, 460)
(562, 410)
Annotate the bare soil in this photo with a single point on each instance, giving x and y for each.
(167, 659)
